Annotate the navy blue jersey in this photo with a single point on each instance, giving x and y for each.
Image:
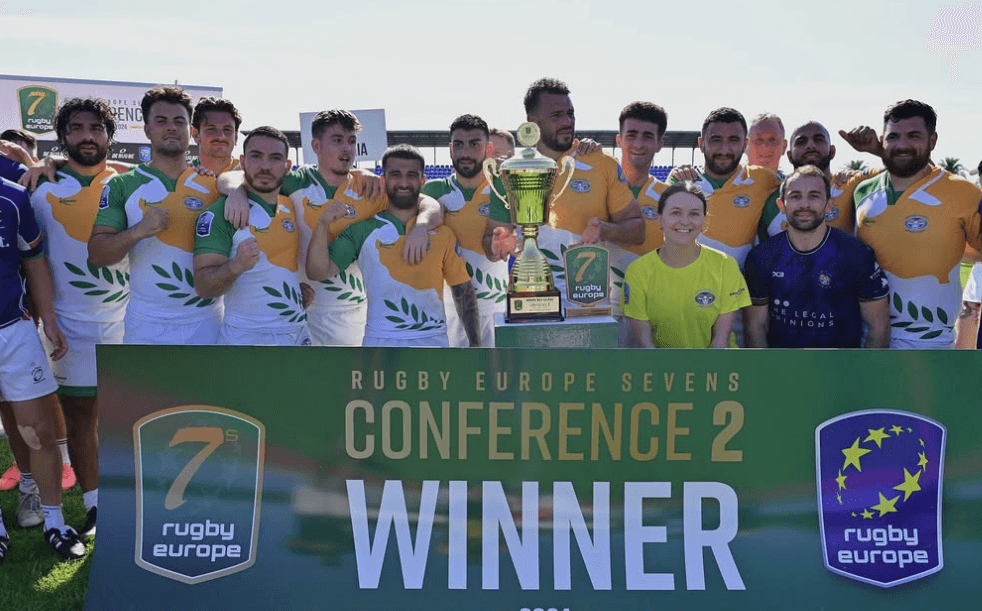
(813, 297)
(10, 169)
(20, 238)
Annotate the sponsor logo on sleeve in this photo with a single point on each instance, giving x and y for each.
(203, 228)
(879, 476)
(199, 476)
(104, 198)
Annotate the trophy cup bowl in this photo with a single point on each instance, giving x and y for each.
(528, 181)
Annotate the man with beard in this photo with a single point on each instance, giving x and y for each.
(215, 127)
(405, 302)
(465, 198)
(814, 286)
(337, 315)
(811, 145)
(148, 214)
(597, 205)
(90, 302)
(766, 142)
(255, 268)
(736, 194)
(918, 218)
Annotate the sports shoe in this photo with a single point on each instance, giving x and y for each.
(10, 478)
(29, 512)
(67, 476)
(4, 547)
(67, 543)
(88, 531)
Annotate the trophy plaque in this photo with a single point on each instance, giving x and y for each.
(528, 179)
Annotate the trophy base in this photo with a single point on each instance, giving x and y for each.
(576, 312)
(540, 306)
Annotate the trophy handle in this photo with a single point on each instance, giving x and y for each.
(569, 164)
(491, 172)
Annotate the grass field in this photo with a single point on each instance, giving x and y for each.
(33, 577)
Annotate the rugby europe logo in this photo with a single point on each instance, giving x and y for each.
(199, 482)
(879, 475)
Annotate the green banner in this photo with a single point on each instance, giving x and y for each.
(512, 480)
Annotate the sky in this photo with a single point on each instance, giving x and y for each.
(428, 61)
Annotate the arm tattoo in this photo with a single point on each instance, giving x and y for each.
(466, 302)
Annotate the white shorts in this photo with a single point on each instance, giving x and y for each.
(24, 370)
(432, 341)
(231, 336)
(77, 369)
(337, 326)
(140, 330)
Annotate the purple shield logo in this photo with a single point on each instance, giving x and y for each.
(879, 478)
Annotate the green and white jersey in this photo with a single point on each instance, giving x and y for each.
(311, 196)
(162, 285)
(267, 297)
(467, 214)
(65, 211)
(404, 301)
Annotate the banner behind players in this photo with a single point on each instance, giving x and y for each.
(512, 480)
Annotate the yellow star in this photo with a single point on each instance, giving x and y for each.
(923, 461)
(876, 436)
(853, 454)
(867, 515)
(911, 484)
(841, 480)
(854, 514)
(838, 497)
(886, 506)
(910, 430)
(896, 430)
(922, 442)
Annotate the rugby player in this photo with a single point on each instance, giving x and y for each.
(337, 315)
(26, 381)
(918, 218)
(405, 304)
(215, 128)
(256, 269)
(813, 286)
(148, 214)
(597, 205)
(90, 302)
(465, 197)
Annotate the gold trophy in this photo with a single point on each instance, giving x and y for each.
(528, 180)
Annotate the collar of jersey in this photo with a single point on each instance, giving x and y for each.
(170, 183)
(387, 216)
(328, 189)
(255, 199)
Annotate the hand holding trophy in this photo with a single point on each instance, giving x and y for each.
(528, 180)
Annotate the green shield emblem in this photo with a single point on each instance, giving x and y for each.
(199, 479)
(587, 274)
(37, 108)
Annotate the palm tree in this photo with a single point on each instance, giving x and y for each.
(953, 165)
(857, 164)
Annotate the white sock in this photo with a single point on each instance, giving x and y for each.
(63, 446)
(26, 482)
(91, 499)
(52, 517)
(3, 531)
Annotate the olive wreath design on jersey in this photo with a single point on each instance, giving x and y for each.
(113, 278)
(495, 287)
(916, 326)
(185, 277)
(352, 287)
(293, 304)
(417, 319)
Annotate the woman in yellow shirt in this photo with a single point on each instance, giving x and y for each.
(685, 294)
